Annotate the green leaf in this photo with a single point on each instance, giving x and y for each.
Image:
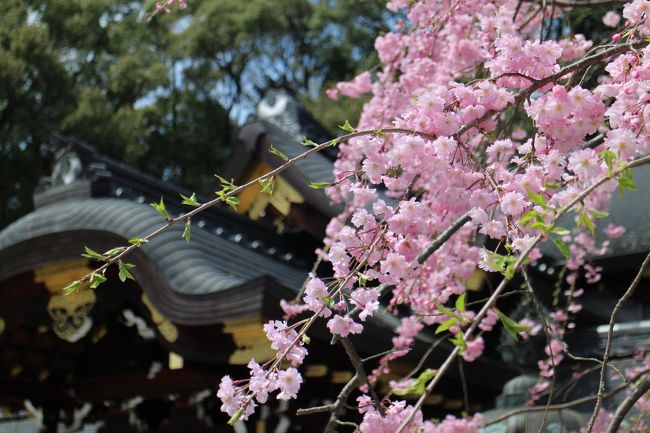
(538, 199)
(460, 303)
(186, 230)
(275, 151)
(96, 280)
(447, 311)
(513, 328)
(446, 325)
(363, 279)
(528, 217)
(509, 271)
(114, 251)
(319, 185)
(561, 231)
(161, 209)
(190, 201)
(306, 339)
(609, 157)
(308, 143)
(124, 273)
(419, 384)
(236, 416)
(625, 181)
(335, 142)
(422, 379)
(459, 341)
(227, 185)
(232, 202)
(71, 288)
(585, 220)
(138, 241)
(267, 185)
(496, 261)
(562, 246)
(93, 255)
(395, 171)
(598, 213)
(380, 133)
(347, 127)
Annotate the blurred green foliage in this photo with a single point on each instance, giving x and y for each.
(165, 96)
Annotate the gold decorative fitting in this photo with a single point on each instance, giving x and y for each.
(253, 202)
(15, 370)
(316, 370)
(175, 361)
(58, 275)
(341, 376)
(250, 340)
(70, 313)
(167, 329)
(2, 325)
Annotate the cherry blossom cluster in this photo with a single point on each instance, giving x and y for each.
(238, 396)
(471, 114)
(389, 422)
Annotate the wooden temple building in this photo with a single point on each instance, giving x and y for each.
(146, 356)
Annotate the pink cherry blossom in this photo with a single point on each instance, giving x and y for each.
(611, 19)
(614, 231)
(474, 349)
(288, 382)
(343, 326)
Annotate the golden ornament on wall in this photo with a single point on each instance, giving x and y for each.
(70, 314)
(166, 328)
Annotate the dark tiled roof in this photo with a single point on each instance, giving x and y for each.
(632, 210)
(208, 264)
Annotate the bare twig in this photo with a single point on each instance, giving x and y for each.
(610, 333)
(380, 354)
(357, 363)
(542, 316)
(339, 404)
(503, 295)
(559, 406)
(442, 238)
(463, 383)
(622, 410)
(316, 409)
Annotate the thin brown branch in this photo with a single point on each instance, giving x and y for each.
(542, 316)
(621, 411)
(504, 295)
(204, 206)
(463, 383)
(339, 405)
(442, 238)
(553, 407)
(360, 370)
(316, 409)
(380, 354)
(610, 333)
